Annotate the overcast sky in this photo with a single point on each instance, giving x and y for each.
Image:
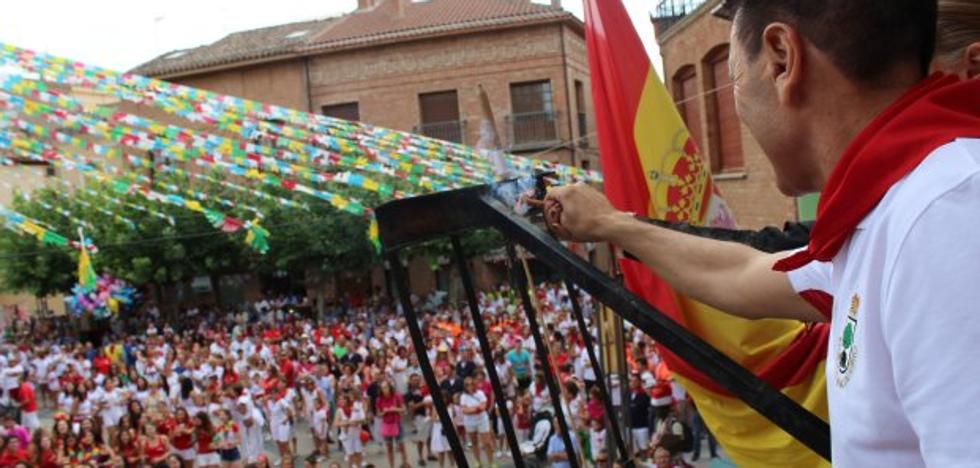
(121, 34)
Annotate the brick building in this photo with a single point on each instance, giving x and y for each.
(416, 66)
(694, 45)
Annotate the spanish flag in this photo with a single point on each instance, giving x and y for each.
(651, 166)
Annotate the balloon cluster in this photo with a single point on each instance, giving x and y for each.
(111, 296)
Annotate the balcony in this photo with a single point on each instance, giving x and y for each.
(669, 12)
(533, 130)
(453, 130)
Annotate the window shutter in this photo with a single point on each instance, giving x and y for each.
(689, 104)
(439, 107)
(727, 126)
(347, 111)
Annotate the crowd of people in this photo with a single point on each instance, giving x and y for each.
(210, 389)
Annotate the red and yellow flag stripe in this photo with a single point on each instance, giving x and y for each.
(652, 166)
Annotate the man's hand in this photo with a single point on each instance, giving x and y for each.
(578, 213)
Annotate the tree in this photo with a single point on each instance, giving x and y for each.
(320, 241)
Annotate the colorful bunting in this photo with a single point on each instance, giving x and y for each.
(269, 145)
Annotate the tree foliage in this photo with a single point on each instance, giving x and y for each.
(152, 251)
(319, 240)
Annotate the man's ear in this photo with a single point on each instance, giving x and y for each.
(971, 60)
(782, 50)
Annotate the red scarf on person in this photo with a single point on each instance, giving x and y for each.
(933, 113)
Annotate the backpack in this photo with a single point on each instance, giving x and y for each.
(687, 439)
(677, 443)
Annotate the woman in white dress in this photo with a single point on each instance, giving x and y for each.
(112, 407)
(56, 367)
(281, 416)
(439, 444)
(349, 418)
(249, 418)
(84, 406)
(66, 399)
(320, 425)
(474, 404)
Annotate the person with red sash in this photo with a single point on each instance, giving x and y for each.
(845, 98)
(27, 401)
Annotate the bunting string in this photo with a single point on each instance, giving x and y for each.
(126, 136)
(61, 211)
(230, 112)
(240, 150)
(224, 183)
(216, 218)
(25, 225)
(200, 196)
(271, 146)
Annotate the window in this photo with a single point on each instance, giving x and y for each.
(689, 103)
(724, 128)
(583, 125)
(533, 120)
(440, 116)
(533, 97)
(347, 111)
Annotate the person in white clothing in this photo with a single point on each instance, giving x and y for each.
(249, 418)
(112, 406)
(281, 417)
(349, 418)
(899, 168)
(439, 444)
(314, 402)
(320, 425)
(476, 420)
(11, 379)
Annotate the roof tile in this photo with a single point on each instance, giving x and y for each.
(383, 23)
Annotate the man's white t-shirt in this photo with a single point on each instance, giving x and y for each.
(901, 366)
(11, 377)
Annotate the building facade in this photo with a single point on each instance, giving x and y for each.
(418, 66)
(694, 45)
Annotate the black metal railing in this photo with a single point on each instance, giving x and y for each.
(529, 130)
(407, 222)
(675, 8)
(453, 130)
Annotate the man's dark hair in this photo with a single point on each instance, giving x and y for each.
(866, 39)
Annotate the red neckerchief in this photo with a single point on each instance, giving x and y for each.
(933, 113)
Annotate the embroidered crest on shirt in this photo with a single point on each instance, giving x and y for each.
(846, 346)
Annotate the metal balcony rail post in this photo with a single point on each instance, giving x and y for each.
(600, 374)
(500, 398)
(418, 342)
(529, 129)
(453, 130)
(520, 282)
(407, 222)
